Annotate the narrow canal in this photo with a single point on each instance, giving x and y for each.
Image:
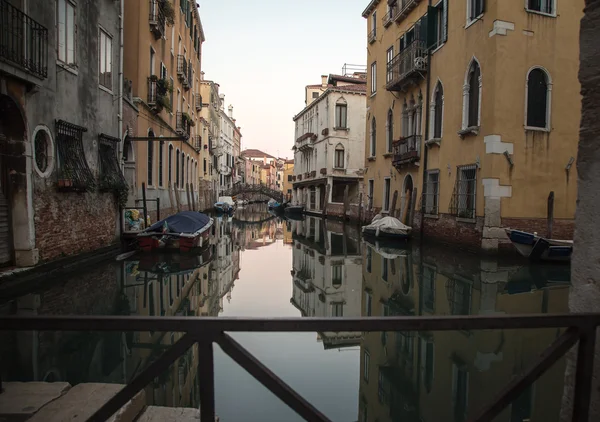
(261, 266)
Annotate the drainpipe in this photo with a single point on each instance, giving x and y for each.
(425, 148)
(120, 115)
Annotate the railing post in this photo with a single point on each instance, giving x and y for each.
(206, 377)
(584, 374)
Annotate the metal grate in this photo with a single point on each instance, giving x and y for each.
(463, 199)
(111, 177)
(73, 172)
(157, 18)
(431, 193)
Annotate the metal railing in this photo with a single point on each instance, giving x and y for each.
(198, 102)
(389, 16)
(182, 126)
(157, 18)
(406, 149)
(403, 8)
(23, 41)
(204, 331)
(410, 60)
(152, 91)
(372, 35)
(182, 67)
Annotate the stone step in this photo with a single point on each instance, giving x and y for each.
(170, 414)
(21, 400)
(81, 401)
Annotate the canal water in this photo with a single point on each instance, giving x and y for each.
(261, 266)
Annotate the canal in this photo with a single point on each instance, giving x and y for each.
(262, 266)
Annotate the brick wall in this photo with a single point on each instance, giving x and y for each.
(446, 229)
(72, 223)
(561, 229)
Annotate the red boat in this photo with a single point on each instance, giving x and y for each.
(184, 232)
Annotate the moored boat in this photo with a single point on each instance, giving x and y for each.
(184, 231)
(538, 248)
(294, 209)
(387, 227)
(225, 205)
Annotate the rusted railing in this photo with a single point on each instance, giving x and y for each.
(410, 60)
(157, 18)
(204, 331)
(406, 150)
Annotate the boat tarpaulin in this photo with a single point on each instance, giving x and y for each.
(389, 225)
(182, 222)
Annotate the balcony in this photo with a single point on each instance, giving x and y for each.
(372, 36)
(407, 67)
(152, 92)
(190, 77)
(23, 41)
(157, 19)
(388, 18)
(198, 102)
(305, 142)
(182, 69)
(197, 143)
(403, 9)
(407, 150)
(182, 125)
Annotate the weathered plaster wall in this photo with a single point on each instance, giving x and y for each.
(585, 293)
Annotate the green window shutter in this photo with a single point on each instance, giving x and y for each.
(445, 21)
(432, 15)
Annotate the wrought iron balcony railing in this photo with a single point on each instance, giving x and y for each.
(403, 8)
(198, 102)
(407, 150)
(389, 16)
(406, 65)
(182, 68)
(152, 92)
(576, 330)
(372, 36)
(23, 41)
(182, 125)
(157, 18)
(197, 142)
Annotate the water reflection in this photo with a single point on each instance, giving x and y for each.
(311, 268)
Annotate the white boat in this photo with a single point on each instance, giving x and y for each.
(538, 248)
(387, 227)
(225, 204)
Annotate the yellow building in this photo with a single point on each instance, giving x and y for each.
(211, 129)
(473, 116)
(288, 176)
(162, 52)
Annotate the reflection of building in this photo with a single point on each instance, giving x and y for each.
(402, 373)
(326, 276)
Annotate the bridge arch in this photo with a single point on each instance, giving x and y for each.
(241, 188)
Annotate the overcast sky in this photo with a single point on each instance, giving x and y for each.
(263, 53)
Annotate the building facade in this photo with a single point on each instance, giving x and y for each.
(328, 151)
(211, 133)
(226, 147)
(288, 179)
(59, 128)
(473, 116)
(163, 47)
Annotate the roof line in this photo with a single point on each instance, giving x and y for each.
(326, 93)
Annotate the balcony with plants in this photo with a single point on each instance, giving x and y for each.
(159, 90)
(406, 150)
(183, 124)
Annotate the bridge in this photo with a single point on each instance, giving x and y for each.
(241, 188)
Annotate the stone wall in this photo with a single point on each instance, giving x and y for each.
(585, 273)
(445, 228)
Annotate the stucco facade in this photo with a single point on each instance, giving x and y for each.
(329, 145)
(288, 179)
(211, 132)
(504, 89)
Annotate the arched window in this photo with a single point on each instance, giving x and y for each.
(170, 165)
(341, 114)
(339, 156)
(177, 168)
(161, 145)
(150, 157)
(538, 99)
(389, 130)
(438, 110)
(373, 138)
(472, 96)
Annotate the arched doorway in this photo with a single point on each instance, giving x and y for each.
(407, 189)
(12, 164)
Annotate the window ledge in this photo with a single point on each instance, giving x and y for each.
(472, 21)
(433, 141)
(342, 128)
(466, 220)
(537, 12)
(432, 216)
(371, 159)
(388, 155)
(536, 129)
(105, 89)
(471, 130)
(71, 69)
(438, 47)
(372, 94)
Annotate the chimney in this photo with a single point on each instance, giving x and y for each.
(202, 75)
(230, 111)
(222, 97)
(324, 81)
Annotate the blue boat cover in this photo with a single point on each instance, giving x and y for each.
(182, 222)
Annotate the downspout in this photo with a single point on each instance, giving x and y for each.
(425, 148)
(120, 114)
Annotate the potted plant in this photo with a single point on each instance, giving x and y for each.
(66, 181)
(163, 86)
(162, 102)
(168, 12)
(187, 118)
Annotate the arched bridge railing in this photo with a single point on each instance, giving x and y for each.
(260, 189)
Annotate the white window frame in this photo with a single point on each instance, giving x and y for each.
(374, 23)
(341, 114)
(432, 111)
(431, 199)
(374, 78)
(539, 12)
(63, 58)
(476, 18)
(107, 55)
(466, 95)
(389, 55)
(548, 127)
(339, 148)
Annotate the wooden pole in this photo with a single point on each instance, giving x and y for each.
(327, 190)
(144, 204)
(413, 205)
(360, 207)
(550, 214)
(187, 193)
(404, 214)
(394, 200)
(346, 191)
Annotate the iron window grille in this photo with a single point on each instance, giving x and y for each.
(465, 190)
(111, 177)
(73, 174)
(431, 193)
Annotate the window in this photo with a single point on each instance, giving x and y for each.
(182, 184)
(432, 192)
(460, 391)
(475, 8)
(542, 6)
(437, 25)
(105, 60)
(150, 157)
(373, 138)
(464, 200)
(373, 77)
(41, 151)
(472, 96)
(341, 113)
(389, 58)
(374, 24)
(386, 194)
(163, 71)
(171, 93)
(152, 54)
(389, 138)
(160, 162)
(538, 99)
(366, 367)
(339, 157)
(437, 107)
(337, 309)
(368, 303)
(290, 178)
(315, 95)
(67, 29)
(429, 351)
(170, 165)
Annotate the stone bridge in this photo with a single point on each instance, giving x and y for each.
(260, 189)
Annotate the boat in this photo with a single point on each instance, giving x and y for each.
(538, 248)
(388, 228)
(387, 248)
(225, 205)
(184, 231)
(294, 210)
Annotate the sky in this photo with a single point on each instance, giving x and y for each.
(264, 52)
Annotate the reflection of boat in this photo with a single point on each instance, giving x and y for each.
(534, 277)
(183, 231)
(537, 248)
(225, 204)
(173, 264)
(275, 206)
(387, 227)
(294, 210)
(387, 248)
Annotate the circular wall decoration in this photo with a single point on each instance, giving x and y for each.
(43, 151)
